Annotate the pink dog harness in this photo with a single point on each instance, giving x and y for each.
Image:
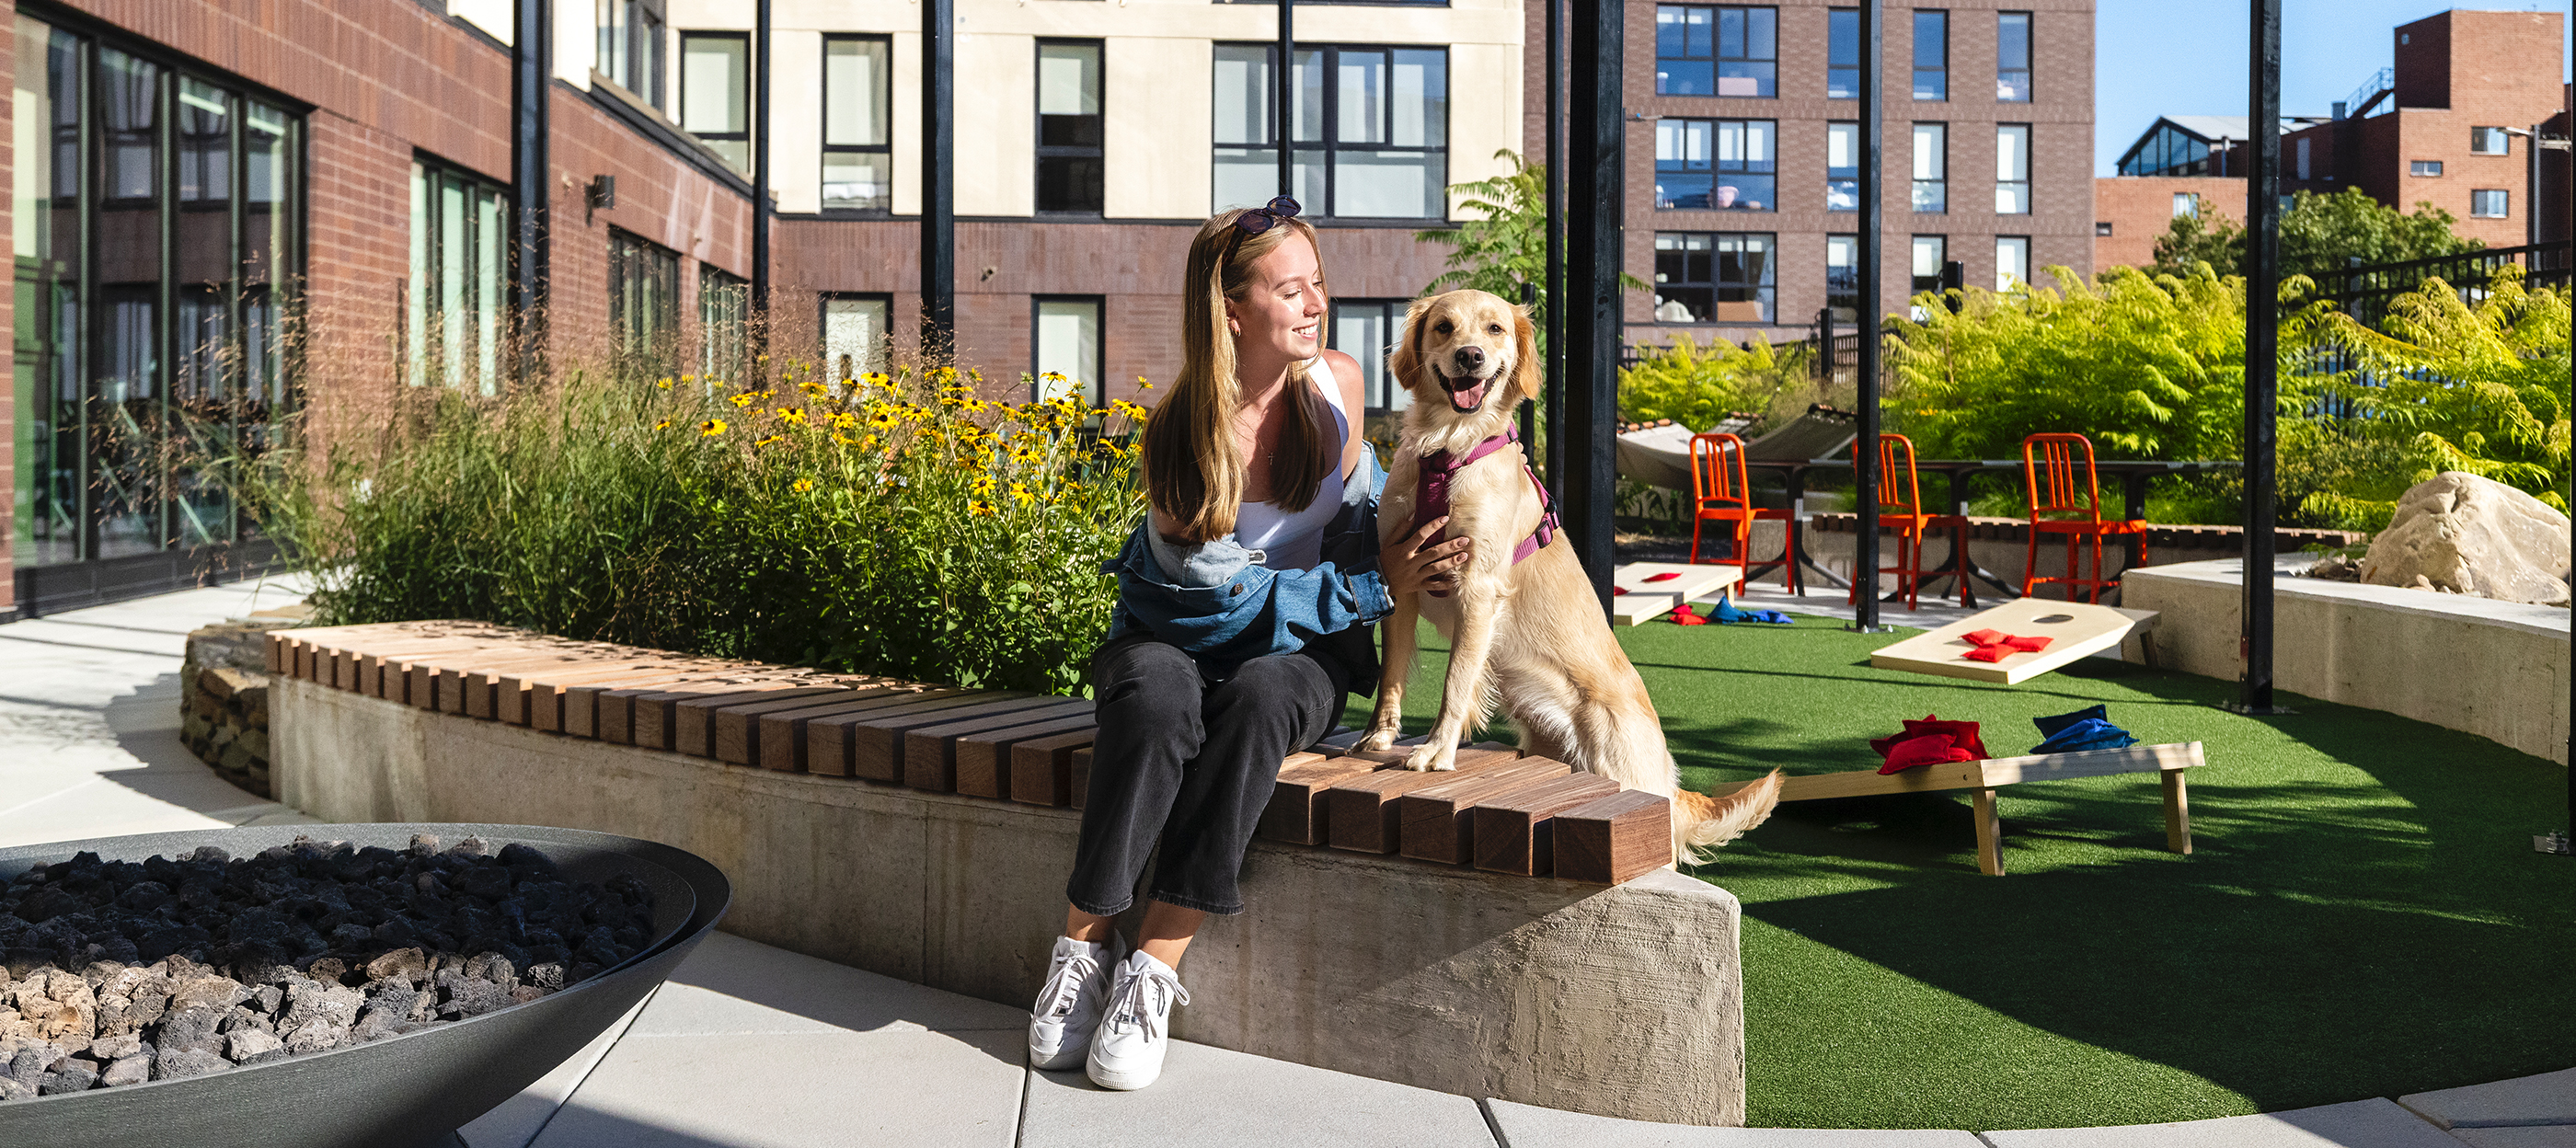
(1438, 470)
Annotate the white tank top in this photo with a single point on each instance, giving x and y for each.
(1295, 541)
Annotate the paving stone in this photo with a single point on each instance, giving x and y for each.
(1210, 1096)
(2553, 1136)
(730, 985)
(518, 1119)
(2375, 1123)
(2549, 1098)
(793, 1090)
(1529, 1126)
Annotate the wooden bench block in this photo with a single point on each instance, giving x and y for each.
(1338, 742)
(1516, 834)
(925, 754)
(1361, 810)
(1439, 823)
(534, 698)
(652, 716)
(1042, 768)
(692, 728)
(580, 703)
(733, 729)
(1297, 811)
(869, 746)
(805, 729)
(466, 684)
(984, 759)
(1616, 838)
(615, 720)
(1078, 782)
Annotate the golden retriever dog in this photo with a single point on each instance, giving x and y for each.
(1529, 632)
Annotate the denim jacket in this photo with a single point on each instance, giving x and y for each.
(1217, 602)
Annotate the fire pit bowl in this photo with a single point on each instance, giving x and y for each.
(414, 1089)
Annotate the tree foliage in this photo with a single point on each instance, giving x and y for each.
(1698, 385)
(2320, 235)
(1508, 246)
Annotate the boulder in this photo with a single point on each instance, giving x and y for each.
(2462, 534)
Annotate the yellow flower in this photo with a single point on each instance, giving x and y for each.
(979, 508)
(867, 442)
(712, 427)
(665, 384)
(792, 415)
(665, 424)
(847, 441)
(1020, 491)
(982, 484)
(742, 400)
(1142, 385)
(811, 387)
(768, 440)
(803, 484)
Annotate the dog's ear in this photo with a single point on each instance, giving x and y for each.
(1406, 363)
(1528, 373)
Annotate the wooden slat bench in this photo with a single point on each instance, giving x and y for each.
(1498, 811)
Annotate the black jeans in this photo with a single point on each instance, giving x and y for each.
(1190, 764)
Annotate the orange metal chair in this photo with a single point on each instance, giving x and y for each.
(1900, 503)
(1722, 492)
(2049, 466)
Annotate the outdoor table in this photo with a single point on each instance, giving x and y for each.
(2133, 475)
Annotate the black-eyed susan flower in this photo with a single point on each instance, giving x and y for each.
(802, 485)
(742, 400)
(768, 439)
(792, 416)
(665, 424)
(1020, 492)
(979, 508)
(712, 427)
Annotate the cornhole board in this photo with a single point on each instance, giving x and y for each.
(2079, 628)
(2166, 761)
(1645, 601)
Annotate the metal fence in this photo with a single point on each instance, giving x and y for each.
(2364, 292)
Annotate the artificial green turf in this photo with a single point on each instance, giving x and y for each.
(2363, 914)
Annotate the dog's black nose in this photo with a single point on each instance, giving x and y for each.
(1470, 357)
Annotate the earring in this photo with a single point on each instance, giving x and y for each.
(1233, 326)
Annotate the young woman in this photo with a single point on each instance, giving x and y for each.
(1245, 609)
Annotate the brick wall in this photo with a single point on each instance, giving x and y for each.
(2139, 209)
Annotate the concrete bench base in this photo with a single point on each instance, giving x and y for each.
(1623, 1001)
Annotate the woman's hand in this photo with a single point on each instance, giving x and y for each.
(1418, 562)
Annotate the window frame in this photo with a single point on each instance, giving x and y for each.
(2503, 201)
(2502, 138)
(2000, 284)
(1834, 16)
(1379, 389)
(424, 303)
(823, 301)
(652, 35)
(1763, 287)
(1941, 71)
(2030, 53)
(1848, 184)
(742, 96)
(1044, 152)
(631, 345)
(1327, 146)
(723, 339)
(1716, 166)
(1845, 302)
(2423, 169)
(1717, 59)
(1098, 393)
(1913, 246)
(2004, 184)
(885, 149)
(1940, 179)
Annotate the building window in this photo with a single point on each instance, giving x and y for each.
(1842, 54)
(155, 216)
(1842, 276)
(1705, 51)
(2487, 204)
(1722, 277)
(1069, 131)
(1930, 252)
(630, 46)
(1931, 55)
(854, 334)
(2012, 57)
(453, 314)
(1714, 165)
(2490, 141)
(2186, 203)
(2101, 229)
(2303, 156)
(1932, 167)
(1842, 167)
(2012, 169)
(2012, 261)
(1372, 144)
(715, 93)
(724, 334)
(643, 302)
(1365, 329)
(2426, 168)
(858, 171)
(1068, 345)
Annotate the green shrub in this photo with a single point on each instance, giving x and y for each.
(903, 526)
(1697, 385)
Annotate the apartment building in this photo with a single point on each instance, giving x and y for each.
(2450, 124)
(1744, 146)
(187, 172)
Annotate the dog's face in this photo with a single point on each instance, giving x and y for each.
(1467, 351)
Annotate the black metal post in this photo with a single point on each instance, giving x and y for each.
(1556, 301)
(2531, 208)
(761, 207)
(938, 181)
(1595, 202)
(531, 63)
(1873, 127)
(1528, 414)
(1286, 100)
(2262, 365)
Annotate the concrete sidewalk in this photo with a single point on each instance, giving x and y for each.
(749, 1045)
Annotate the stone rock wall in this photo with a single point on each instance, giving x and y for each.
(224, 700)
(2458, 533)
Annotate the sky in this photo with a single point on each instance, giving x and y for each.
(2187, 57)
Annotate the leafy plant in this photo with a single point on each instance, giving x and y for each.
(1697, 386)
(2320, 235)
(1507, 248)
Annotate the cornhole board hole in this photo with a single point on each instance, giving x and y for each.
(1647, 600)
(2076, 629)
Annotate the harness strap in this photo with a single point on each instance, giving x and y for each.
(1438, 470)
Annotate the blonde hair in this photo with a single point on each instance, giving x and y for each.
(1194, 469)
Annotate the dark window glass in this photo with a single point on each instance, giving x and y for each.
(715, 93)
(1713, 277)
(2012, 57)
(858, 164)
(1930, 252)
(1367, 330)
(1716, 51)
(643, 303)
(455, 299)
(724, 334)
(630, 46)
(1842, 54)
(1842, 276)
(1931, 55)
(1715, 165)
(1069, 126)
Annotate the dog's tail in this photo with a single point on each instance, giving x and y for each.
(1701, 823)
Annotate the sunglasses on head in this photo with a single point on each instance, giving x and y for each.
(1279, 210)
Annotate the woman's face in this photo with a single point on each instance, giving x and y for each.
(1282, 308)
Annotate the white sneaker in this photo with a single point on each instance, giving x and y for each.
(1068, 1008)
(1134, 1032)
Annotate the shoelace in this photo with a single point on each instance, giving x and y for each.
(1127, 1002)
(1067, 983)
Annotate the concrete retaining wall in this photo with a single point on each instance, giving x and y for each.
(2496, 669)
(1625, 1001)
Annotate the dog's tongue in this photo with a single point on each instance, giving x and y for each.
(1467, 398)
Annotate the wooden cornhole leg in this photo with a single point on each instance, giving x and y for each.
(1990, 833)
(2177, 812)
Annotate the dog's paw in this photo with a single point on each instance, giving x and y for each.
(1428, 756)
(1379, 740)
